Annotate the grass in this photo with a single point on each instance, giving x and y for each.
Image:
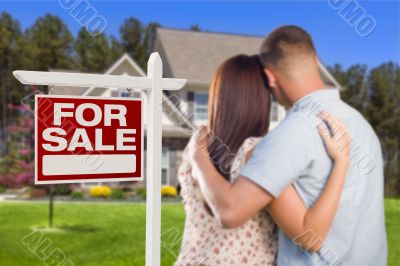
(112, 233)
(392, 208)
(88, 233)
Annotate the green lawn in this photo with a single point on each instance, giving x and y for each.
(91, 233)
(392, 207)
(110, 233)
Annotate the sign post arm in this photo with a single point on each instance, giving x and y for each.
(153, 162)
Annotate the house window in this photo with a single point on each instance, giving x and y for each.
(201, 105)
(165, 178)
(124, 93)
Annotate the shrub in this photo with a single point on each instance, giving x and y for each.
(117, 193)
(100, 191)
(2, 189)
(38, 193)
(62, 189)
(77, 195)
(168, 191)
(141, 192)
(128, 186)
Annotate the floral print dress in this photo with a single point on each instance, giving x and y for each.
(205, 242)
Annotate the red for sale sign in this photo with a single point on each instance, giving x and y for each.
(87, 139)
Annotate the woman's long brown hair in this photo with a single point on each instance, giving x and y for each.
(238, 108)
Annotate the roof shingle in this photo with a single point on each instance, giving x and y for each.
(196, 55)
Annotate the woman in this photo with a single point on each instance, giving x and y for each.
(238, 116)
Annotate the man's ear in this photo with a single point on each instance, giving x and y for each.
(271, 77)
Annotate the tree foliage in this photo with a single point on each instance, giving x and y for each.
(137, 39)
(50, 44)
(10, 51)
(376, 94)
(93, 52)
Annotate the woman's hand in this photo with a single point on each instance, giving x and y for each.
(197, 147)
(338, 144)
(309, 227)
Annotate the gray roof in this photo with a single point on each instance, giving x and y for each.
(196, 55)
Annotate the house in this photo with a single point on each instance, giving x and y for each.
(194, 56)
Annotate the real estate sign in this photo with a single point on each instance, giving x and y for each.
(84, 139)
(88, 139)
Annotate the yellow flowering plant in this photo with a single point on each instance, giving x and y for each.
(100, 191)
(168, 191)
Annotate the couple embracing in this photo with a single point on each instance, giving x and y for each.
(302, 194)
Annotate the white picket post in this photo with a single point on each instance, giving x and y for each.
(153, 172)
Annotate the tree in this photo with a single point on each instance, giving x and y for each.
(353, 81)
(51, 44)
(195, 27)
(10, 59)
(149, 38)
(16, 169)
(93, 52)
(131, 32)
(137, 39)
(383, 112)
(376, 94)
(50, 47)
(116, 50)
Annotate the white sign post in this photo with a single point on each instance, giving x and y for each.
(153, 167)
(155, 84)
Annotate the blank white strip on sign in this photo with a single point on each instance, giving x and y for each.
(89, 164)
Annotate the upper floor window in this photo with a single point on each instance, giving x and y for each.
(201, 105)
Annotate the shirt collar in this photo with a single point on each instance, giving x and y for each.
(316, 97)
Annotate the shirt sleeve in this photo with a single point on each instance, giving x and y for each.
(282, 155)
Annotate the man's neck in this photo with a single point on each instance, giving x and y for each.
(303, 88)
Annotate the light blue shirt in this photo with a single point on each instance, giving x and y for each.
(294, 153)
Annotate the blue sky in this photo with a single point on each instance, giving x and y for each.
(336, 41)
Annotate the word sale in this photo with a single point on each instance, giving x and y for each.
(55, 137)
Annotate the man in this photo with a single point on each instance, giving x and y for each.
(293, 153)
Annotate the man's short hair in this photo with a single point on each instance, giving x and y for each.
(284, 44)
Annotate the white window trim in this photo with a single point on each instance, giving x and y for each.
(195, 105)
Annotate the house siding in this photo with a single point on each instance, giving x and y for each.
(175, 147)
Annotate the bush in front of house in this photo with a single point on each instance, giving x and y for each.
(77, 195)
(62, 189)
(117, 193)
(141, 192)
(168, 191)
(37, 193)
(100, 191)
